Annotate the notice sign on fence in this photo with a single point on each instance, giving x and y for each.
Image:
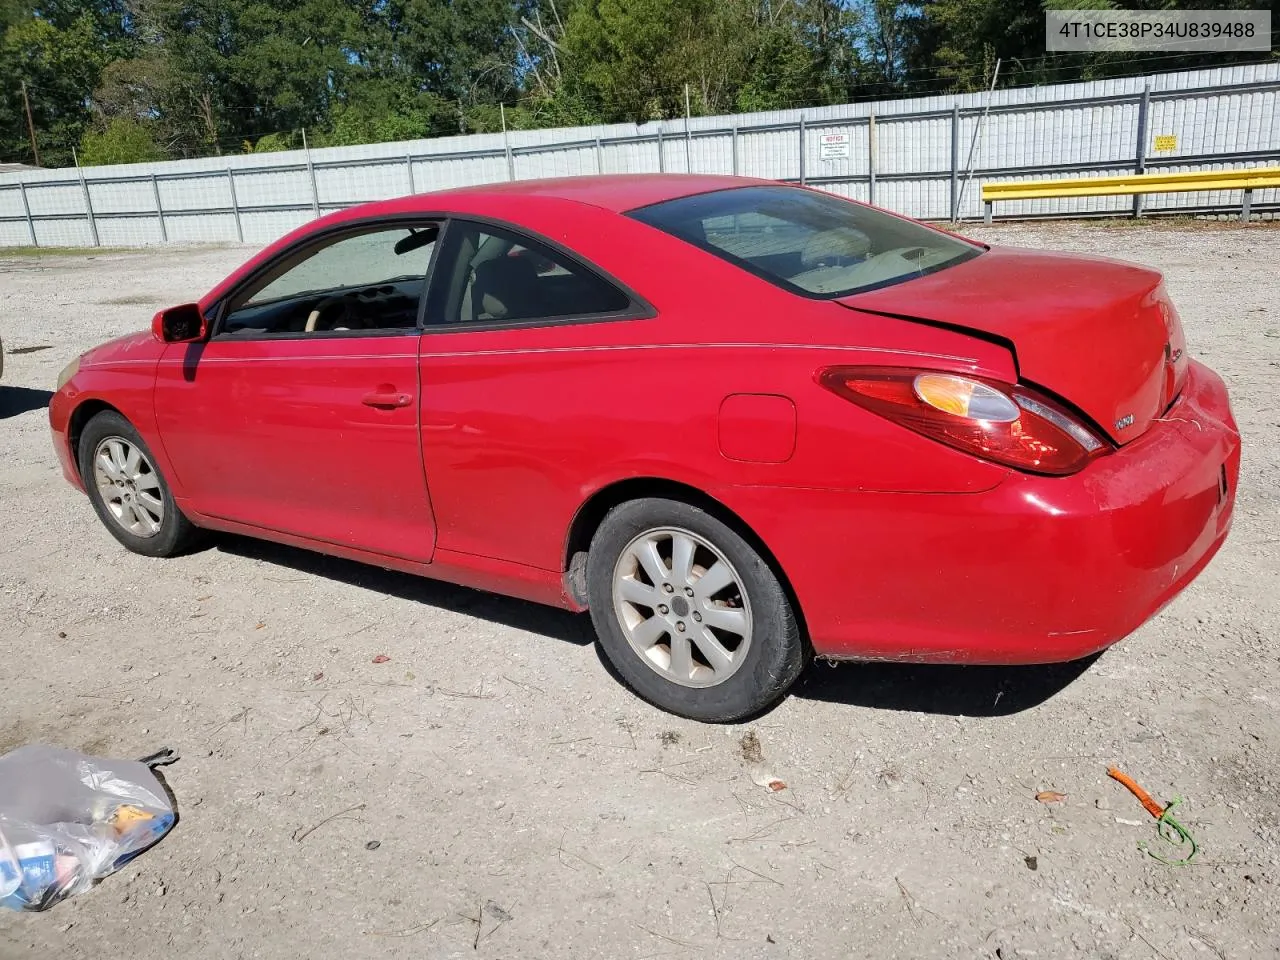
(834, 146)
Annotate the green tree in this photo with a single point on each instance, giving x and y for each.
(153, 89)
(808, 53)
(187, 75)
(293, 57)
(463, 50)
(377, 111)
(60, 65)
(121, 140)
(631, 59)
(958, 41)
(271, 143)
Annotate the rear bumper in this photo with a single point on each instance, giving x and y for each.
(1036, 570)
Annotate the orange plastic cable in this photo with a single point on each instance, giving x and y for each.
(1168, 829)
(1144, 798)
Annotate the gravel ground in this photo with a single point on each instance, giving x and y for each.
(525, 805)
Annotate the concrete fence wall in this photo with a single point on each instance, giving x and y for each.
(913, 156)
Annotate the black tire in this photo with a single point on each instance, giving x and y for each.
(775, 656)
(176, 533)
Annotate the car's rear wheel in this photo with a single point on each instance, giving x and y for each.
(128, 492)
(689, 613)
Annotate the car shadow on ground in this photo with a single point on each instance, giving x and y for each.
(920, 688)
(940, 688)
(519, 614)
(15, 401)
(927, 688)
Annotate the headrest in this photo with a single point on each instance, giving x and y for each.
(505, 288)
(841, 243)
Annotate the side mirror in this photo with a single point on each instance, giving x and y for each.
(180, 324)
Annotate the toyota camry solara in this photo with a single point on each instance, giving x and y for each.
(742, 423)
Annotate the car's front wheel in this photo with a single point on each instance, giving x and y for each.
(128, 493)
(689, 613)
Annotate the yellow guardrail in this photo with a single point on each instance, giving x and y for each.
(1248, 180)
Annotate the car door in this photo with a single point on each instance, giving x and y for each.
(515, 370)
(299, 414)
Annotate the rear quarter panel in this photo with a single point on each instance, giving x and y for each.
(521, 427)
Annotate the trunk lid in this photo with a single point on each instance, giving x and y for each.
(1101, 334)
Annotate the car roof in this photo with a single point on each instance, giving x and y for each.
(613, 193)
(616, 192)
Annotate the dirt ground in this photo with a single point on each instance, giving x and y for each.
(524, 804)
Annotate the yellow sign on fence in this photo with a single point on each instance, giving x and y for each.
(1168, 141)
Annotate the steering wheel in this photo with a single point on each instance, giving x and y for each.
(325, 307)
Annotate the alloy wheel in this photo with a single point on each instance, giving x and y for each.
(129, 486)
(682, 607)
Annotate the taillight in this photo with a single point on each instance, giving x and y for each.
(1010, 425)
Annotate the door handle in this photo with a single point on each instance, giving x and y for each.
(386, 399)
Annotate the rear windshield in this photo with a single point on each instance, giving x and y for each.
(811, 243)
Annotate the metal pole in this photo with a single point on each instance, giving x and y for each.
(408, 169)
(1245, 205)
(802, 149)
(31, 127)
(688, 152)
(977, 130)
(662, 160)
(26, 209)
(955, 161)
(599, 157)
(311, 172)
(1140, 164)
(986, 212)
(88, 203)
(506, 143)
(871, 157)
(155, 191)
(235, 204)
(733, 150)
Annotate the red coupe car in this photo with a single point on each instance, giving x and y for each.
(742, 423)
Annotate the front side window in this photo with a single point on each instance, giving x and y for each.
(368, 281)
(811, 243)
(492, 276)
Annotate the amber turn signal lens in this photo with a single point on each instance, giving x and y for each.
(963, 397)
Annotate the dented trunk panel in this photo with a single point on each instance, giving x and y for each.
(1101, 334)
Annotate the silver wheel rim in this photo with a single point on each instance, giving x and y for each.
(129, 486)
(682, 606)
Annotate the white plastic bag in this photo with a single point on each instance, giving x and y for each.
(67, 820)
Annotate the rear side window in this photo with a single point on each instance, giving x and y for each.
(811, 243)
(491, 276)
